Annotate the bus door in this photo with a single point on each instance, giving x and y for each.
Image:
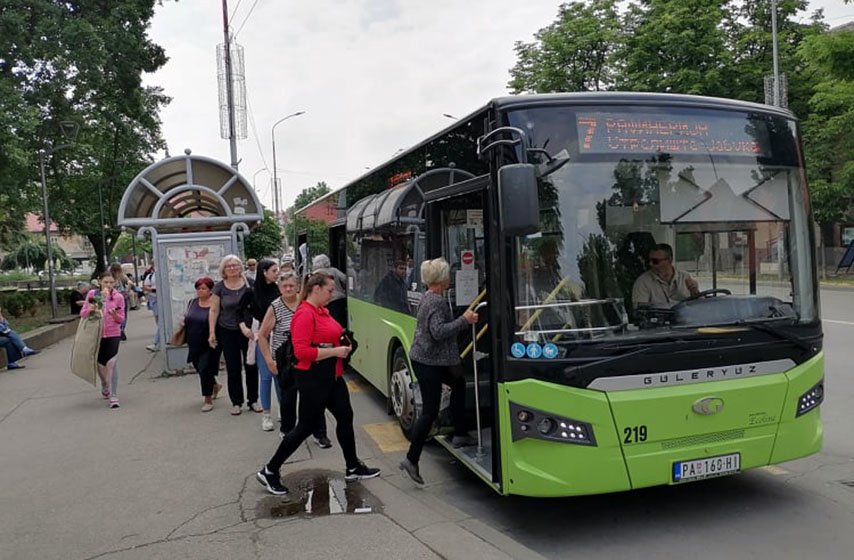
(455, 231)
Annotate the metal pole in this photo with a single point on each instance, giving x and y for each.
(133, 251)
(103, 235)
(774, 53)
(51, 286)
(474, 358)
(229, 87)
(275, 187)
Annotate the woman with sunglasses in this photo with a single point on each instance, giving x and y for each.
(319, 350)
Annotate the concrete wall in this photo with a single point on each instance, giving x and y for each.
(45, 336)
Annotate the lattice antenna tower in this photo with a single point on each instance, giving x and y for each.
(784, 90)
(238, 81)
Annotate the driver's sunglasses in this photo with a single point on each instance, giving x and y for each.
(656, 261)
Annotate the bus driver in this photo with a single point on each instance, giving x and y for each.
(662, 283)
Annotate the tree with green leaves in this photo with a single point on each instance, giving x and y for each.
(124, 246)
(80, 61)
(829, 128)
(318, 231)
(33, 254)
(309, 195)
(676, 46)
(574, 53)
(266, 239)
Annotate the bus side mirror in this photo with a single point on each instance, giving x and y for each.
(520, 204)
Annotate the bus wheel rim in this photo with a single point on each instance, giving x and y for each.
(402, 400)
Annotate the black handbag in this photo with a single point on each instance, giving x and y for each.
(285, 361)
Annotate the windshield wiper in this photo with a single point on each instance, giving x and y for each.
(783, 335)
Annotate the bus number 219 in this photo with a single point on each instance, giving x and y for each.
(634, 434)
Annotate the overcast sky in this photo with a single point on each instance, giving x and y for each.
(372, 76)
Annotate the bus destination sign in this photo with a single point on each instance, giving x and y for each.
(631, 132)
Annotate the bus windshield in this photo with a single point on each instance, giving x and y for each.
(664, 218)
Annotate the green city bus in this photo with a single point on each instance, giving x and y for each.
(546, 207)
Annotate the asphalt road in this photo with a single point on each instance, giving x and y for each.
(801, 509)
(158, 479)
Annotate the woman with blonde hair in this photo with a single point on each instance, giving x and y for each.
(433, 353)
(230, 324)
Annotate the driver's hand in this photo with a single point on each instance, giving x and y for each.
(692, 286)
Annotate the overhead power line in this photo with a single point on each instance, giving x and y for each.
(246, 18)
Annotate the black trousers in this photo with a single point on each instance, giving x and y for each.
(207, 366)
(320, 390)
(288, 407)
(234, 346)
(430, 379)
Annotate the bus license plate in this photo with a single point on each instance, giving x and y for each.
(683, 471)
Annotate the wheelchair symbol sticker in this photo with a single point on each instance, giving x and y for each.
(535, 350)
(550, 351)
(517, 350)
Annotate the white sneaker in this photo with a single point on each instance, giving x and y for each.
(151, 348)
(267, 423)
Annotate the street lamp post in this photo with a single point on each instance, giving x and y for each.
(254, 175)
(276, 197)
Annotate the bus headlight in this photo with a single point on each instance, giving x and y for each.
(527, 422)
(811, 399)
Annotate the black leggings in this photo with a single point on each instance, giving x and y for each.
(430, 379)
(207, 366)
(319, 390)
(108, 350)
(234, 346)
(288, 405)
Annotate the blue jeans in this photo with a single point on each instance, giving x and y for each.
(267, 379)
(14, 346)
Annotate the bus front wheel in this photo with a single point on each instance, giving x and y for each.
(401, 393)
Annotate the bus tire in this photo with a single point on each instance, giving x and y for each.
(400, 391)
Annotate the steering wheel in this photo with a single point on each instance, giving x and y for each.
(708, 293)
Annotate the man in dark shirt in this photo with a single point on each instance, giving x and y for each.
(391, 291)
(78, 298)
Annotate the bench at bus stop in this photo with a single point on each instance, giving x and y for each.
(42, 337)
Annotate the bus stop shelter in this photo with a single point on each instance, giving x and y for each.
(196, 210)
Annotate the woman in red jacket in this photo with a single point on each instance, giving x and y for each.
(319, 351)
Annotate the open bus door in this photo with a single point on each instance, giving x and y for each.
(455, 231)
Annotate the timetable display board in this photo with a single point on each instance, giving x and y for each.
(676, 133)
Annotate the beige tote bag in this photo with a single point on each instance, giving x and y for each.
(84, 354)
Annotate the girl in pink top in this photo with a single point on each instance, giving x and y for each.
(111, 305)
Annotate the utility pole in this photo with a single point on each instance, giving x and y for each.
(775, 55)
(229, 86)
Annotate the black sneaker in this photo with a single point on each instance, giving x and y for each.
(360, 472)
(323, 442)
(271, 482)
(411, 470)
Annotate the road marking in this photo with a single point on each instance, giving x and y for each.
(838, 322)
(387, 436)
(777, 471)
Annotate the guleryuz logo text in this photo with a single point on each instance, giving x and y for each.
(700, 374)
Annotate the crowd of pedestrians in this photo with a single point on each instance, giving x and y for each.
(277, 336)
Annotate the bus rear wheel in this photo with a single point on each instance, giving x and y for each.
(400, 392)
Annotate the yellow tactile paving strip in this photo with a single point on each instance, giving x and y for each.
(387, 436)
(772, 469)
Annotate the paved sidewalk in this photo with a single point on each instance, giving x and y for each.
(159, 479)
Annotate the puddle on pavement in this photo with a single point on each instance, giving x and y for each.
(315, 493)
